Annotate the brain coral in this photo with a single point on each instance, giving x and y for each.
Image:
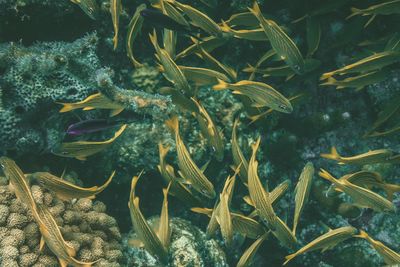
(33, 78)
(84, 224)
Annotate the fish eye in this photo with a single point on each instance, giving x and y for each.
(283, 107)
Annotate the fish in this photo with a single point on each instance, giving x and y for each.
(20, 185)
(262, 94)
(95, 101)
(374, 62)
(52, 237)
(313, 34)
(164, 230)
(217, 65)
(389, 256)
(383, 132)
(280, 42)
(371, 179)
(90, 7)
(258, 195)
(210, 130)
(190, 171)
(238, 156)
(179, 99)
(145, 233)
(199, 19)
(326, 241)
(358, 82)
(208, 44)
(177, 187)
(217, 219)
(65, 190)
(370, 157)
(171, 70)
(115, 10)
(134, 28)
(361, 196)
(257, 34)
(385, 8)
(90, 126)
(247, 257)
(202, 76)
(302, 192)
(83, 149)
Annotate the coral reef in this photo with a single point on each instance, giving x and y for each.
(84, 225)
(189, 247)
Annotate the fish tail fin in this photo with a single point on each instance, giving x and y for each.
(153, 38)
(333, 155)
(329, 81)
(66, 107)
(390, 190)
(255, 9)
(354, 12)
(173, 124)
(289, 258)
(117, 133)
(221, 85)
(326, 175)
(362, 234)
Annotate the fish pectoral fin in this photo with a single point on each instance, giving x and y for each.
(88, 108)
(135, 243)
(81, 158)
(41, 244)
(70, 250)
(115, 112)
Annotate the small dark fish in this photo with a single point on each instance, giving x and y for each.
(90, 126)
(157, 19)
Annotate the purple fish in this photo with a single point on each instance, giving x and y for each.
(90, 126)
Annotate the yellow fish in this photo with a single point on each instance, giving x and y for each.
(199, 19)
(169, 67)
(202, 76)
(164, 230)
(262, 94)
(52, 237)
(20, 185)
(243, 19)
(134, 27)
(257, 34)
(190, 171)
(372, 63)
(325, 241)
(370, 157)
(179, 99)
(302, 192)
(361, 196)
(208, 44)
(389, 256)
(83, 149)
(90, 7)
(65, 190)
(247, 257)
(280, 42)
(358, 82)
(177, 188)
(115, 10)
(385, 8)
(95, 101)
(210, 130)
(145, 233)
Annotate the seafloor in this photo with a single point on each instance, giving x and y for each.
(52, 52)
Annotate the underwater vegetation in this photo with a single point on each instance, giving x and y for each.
(257, 133)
